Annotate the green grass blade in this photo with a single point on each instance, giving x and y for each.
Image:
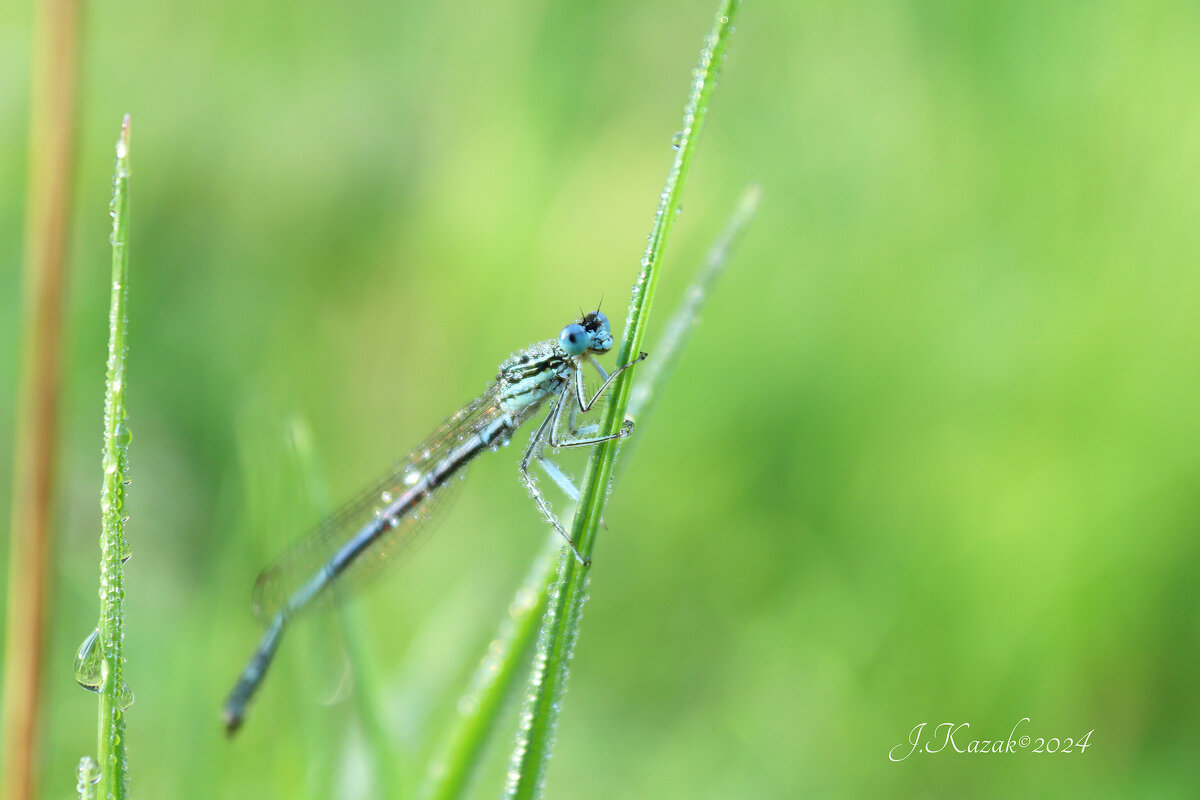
(556, 640)
(368, 703)
(367, 688)
(655, 371)
(111, 746)
(480, 707)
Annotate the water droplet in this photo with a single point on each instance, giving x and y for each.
(89, 665)
(87, 776)
(525, 600)
(123, 435)
(677, 140)
(386, 497)
(411, 476)
(126, 549)
(126, 698)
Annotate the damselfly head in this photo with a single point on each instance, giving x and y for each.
(590, 333)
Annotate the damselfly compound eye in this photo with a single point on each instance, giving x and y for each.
(574, 339)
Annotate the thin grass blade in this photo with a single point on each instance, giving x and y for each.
(365, 678)
(539, 715)
(114, 693)
(480, 707)
(667, 349)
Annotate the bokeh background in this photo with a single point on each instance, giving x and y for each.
(932, 454)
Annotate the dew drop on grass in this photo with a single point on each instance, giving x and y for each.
(126, 698)
(123, 435)
(89, 669)
(88, 663)
(677, 141)
(88, 776)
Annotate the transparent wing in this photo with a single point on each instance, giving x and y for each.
(296, 568)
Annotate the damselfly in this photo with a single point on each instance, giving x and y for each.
(387, 516)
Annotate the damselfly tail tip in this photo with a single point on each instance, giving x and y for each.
(232, 718)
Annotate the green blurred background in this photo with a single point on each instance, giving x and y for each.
(931, 456)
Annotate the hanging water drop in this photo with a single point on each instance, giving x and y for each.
(89, 671)
(677, 141)
(87, 776)
(123, 435)
(126, 698)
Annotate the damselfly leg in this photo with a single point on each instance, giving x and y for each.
(548, 433)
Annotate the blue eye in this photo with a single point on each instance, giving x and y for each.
(574, 339)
